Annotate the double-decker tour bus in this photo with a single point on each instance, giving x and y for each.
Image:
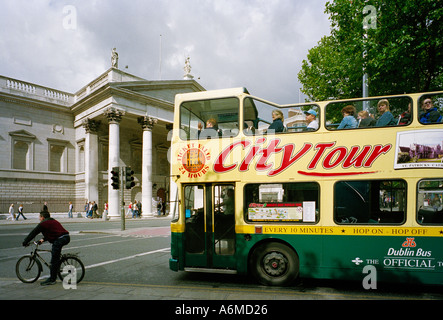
(316, 190)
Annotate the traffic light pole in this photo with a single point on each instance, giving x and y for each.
(122, 177)
(122, 202)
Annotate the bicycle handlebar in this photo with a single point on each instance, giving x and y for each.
(36, 243)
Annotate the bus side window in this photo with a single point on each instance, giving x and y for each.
(368, 202)
(209, 119)
(370, 113)
(429, 202)
(263, 118)
(283, 202)
(430, 109)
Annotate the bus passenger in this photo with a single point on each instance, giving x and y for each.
(386, 117)
(228, 202)
(430, 113)
(311, 118)
(211, 130)
(366, 120)
(405, 117)
(277, 122)
(349, 120)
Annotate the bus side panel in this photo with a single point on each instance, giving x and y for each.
(345, 257)
(396, 259)
(176, 262)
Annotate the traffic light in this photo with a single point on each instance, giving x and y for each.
(115, 177)
(129, 178)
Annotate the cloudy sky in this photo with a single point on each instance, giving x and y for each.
(257, 44)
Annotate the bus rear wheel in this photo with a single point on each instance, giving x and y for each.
(274, 264)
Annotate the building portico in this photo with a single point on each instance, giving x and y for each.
(74, 140)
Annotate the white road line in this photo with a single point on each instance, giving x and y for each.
(72, 240)
(126, 258)
(98, 244)
(71, 248)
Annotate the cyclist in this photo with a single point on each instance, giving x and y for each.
(53, 232)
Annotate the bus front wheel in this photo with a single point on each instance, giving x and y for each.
(274, 264)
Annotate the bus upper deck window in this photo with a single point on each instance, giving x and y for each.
(264, 118)
(353, 114)
(209, 119)
(430, 109)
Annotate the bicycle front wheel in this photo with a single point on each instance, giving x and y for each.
(73, 268)
(28, 269)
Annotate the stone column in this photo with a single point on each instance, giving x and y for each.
(114, 117)
(147, 124)
(91, 159)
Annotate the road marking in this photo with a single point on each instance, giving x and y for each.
(72, 240)
(70, 248)
(97, 244)
(126, 258)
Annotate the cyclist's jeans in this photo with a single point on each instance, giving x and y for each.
(56, 252)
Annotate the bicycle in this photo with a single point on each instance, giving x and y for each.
(29, 267)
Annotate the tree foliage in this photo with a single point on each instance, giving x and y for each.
(403, 49)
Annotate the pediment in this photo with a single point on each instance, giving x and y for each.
(22, 134)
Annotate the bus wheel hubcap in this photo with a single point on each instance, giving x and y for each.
(275, 264)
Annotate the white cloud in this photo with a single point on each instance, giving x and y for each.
(258, 44)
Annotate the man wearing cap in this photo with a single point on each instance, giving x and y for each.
(311, 118)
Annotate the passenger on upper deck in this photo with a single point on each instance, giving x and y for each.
(405, 117)
(211, 130)
(311, 118)
(349, 120)
(366, 120)
(430, 113)
(277, 122)
(386, 117)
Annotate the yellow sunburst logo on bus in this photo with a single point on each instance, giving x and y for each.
(192, 159)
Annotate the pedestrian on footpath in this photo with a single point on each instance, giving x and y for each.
(70, 210)
(134, 209)
(139, 209)
(20, 212)
(86, 209)
(129, 212)
(105, 211)
(11, 213)
(94, 210)
(53, 232)
(89, 212)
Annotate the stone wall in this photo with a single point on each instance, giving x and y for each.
(33, 193)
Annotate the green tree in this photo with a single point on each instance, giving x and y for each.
(403, 49)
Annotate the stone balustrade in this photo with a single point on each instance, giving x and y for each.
(23, 88)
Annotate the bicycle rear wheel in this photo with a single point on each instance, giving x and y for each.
(28, 269)
(73, 267)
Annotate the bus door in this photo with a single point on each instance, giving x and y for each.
(210, 225)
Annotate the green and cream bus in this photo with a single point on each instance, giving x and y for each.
(306, 198)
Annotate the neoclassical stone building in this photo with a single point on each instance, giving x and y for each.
(58, 147)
